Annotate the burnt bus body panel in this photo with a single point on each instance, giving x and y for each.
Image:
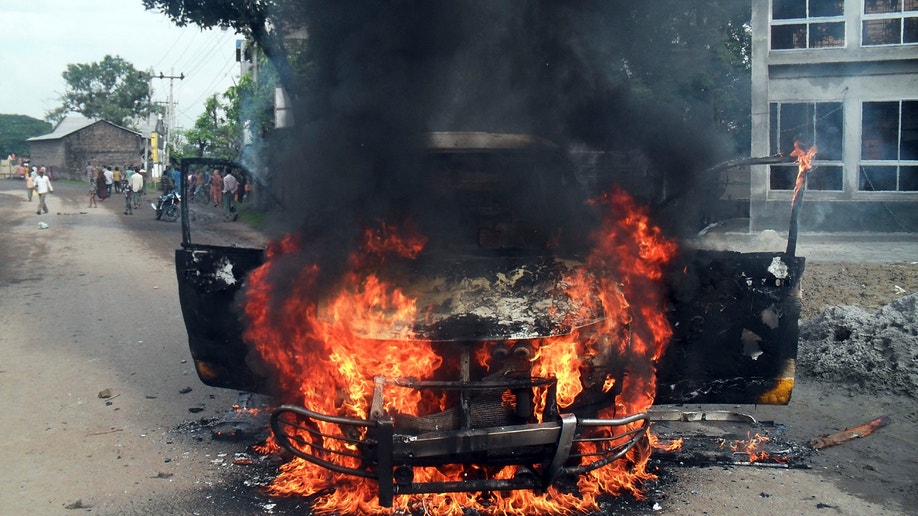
(735, 328)
(209, 281)
(734, 318)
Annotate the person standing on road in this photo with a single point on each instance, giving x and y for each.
(229, 202)
(116, 179)
(128, 193)
(176, 178)
(30, 185)
(93, 191)
(135, 190)
(200, 186)
(109, 180)
(216, 188)
(43, 187)
(100, 184)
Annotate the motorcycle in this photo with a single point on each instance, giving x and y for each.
(167, 206)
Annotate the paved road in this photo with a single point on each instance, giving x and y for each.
(88, 308)
(821, 247)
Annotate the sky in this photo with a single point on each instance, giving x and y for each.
(39, 38)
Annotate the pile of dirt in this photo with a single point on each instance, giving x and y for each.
(867, 285)
(866, 351)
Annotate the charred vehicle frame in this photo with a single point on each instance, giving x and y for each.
(734, 318)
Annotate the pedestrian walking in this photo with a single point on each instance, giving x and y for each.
(109, 180)
(128, 200)
(116, 178)
(136, 189)
(101, 190)
(30, 185)
(216, 188)
(229, 193)
(200, 187)
(43, 187)
(93, 190)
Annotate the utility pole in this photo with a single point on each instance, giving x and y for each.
(146, 139)
(170, 111)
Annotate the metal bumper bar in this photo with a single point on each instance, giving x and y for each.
(374, 449)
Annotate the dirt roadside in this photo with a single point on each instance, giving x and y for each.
(875, 474)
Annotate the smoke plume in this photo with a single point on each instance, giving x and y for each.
(384, 73)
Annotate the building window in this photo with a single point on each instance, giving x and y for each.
(890, 22)
(808, 24)
(889, 147)
(809, 123)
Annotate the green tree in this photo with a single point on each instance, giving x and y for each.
(693, 56)
(219, 132)
(16, 129)
(214, 135)
(266, 22)
(111, 89)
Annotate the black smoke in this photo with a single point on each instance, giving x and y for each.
(599, 74)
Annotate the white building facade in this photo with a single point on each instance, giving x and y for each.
(841, 75)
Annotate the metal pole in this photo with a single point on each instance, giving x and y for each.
(170, 112)
(146, 139)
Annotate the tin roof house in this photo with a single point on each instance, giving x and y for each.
(76, 141)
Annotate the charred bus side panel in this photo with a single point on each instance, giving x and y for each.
(209, 280)
(734, 318)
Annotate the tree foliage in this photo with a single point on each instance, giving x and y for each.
(219, 132)
(214, 135)
(111, 89)
(694, 55)
(266, 22)
(15, 130)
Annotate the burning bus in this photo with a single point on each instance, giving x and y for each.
(499, 348)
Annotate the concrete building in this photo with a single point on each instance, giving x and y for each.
(76, 141)
(841, 75)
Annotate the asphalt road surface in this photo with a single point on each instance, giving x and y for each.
(101, 410)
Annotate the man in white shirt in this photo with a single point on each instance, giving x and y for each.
(229, 202)
(43, 187)
(136, 184)
(109, 180)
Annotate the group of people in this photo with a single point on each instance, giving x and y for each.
(103, 181)
(222, 187)
(37, 182)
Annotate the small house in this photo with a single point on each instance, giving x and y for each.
(77, 141)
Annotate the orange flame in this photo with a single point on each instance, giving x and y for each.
(326, 357)
(804, 157)
(753, 447)
(665, 445)
(804, 163)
